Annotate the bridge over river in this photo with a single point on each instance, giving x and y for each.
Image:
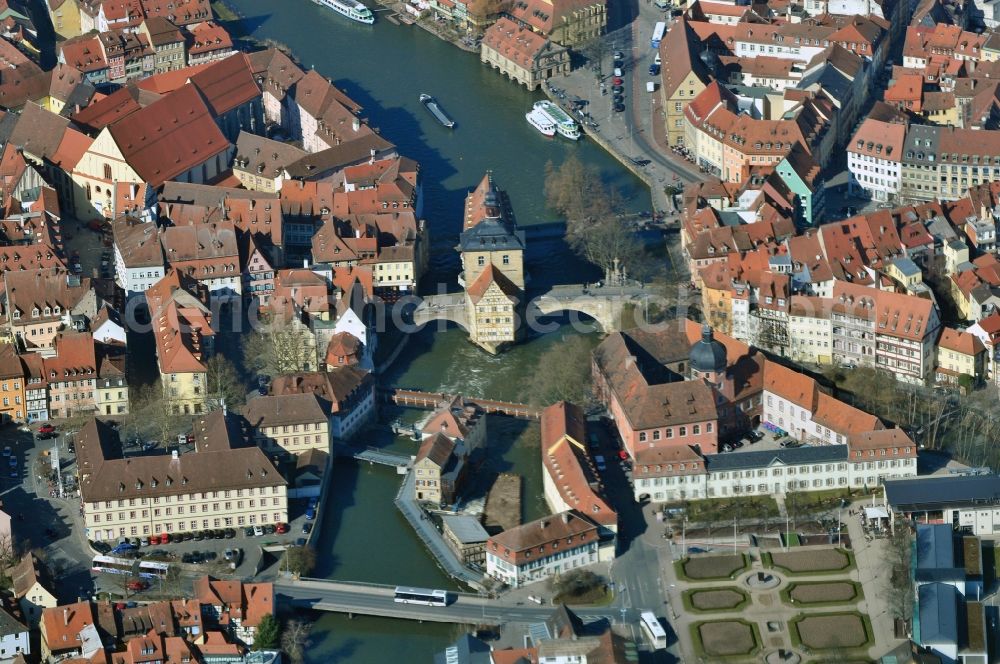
(605, 305)
(464, 608)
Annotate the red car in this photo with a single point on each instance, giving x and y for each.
(46, 429)
(137, 585)
(616, 81)
(281, 528)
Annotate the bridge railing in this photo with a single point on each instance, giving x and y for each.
(382, 586)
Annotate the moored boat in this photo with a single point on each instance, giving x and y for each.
(565, 125)
(541, 122)
(435, 109)
(352, 9)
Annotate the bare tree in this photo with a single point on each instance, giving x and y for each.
(280, 347)
(223, 385)
(151, 413)
(562, 373)
(295, 640)
(578, 193)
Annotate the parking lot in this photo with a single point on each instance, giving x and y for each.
(56, 523)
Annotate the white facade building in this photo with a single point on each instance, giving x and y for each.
(766, 472)
(543, 548)
(874, 159)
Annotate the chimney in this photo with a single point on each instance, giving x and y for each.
(357, 124)
(173, 454)
(565, 517)
(66, 617)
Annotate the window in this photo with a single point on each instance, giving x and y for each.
(481, 261)
(107, 171)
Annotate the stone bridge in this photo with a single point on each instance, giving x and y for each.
(604, 305)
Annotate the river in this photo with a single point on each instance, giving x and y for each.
(384, 68)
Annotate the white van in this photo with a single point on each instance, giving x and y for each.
(650, 86)
(656, 60)
(618, 72)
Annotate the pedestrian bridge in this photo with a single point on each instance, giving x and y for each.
(384, 458)
(463, 608)
(605, 305)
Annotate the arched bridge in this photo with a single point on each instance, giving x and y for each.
(605, 305)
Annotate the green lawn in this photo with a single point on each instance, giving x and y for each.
(722, 509)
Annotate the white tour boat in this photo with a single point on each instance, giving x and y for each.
(565, 125)
(541, 122)
(351, 9)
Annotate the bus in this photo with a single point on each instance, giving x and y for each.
(653, 630)
(406, 595)
(144, 569)
(658, 32)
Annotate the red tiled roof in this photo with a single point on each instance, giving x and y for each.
(563, 456)
(226, 84)
(169, 137)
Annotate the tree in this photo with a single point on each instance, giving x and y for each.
(267, 635)
(575, 583)
(151, 414)
(295, 640)
(578, 193)
(300, 560)
(222, 384)
(278, 346)
(562, 374)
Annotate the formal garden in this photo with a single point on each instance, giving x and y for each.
(735, 639)
(712, 567)
(832, 631)
(809, 561)
(715, 599)
(820, 593)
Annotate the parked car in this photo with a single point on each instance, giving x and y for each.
(300, 541)
(137, 584)
(230, 533)
(281, 528)
(7, 451)
(654, 69)
(46, 430)
(307, 528)
(249, 531)
(618, 108)
(198, 535)
(269, 529)
(258, 531)
(311, 513)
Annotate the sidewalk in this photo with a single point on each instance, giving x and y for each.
(431, 538)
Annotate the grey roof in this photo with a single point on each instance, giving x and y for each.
(466, 529)
(935, 546)
(491, 235)
(906, 266)
(786, 456)
(830, 79)
(932, 493)
(938, 608)
(9, 624)
(921, 144)
(708, 354)
(467, 650)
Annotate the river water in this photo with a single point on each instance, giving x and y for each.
(385, 67)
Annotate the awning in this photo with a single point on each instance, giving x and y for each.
(876, 513)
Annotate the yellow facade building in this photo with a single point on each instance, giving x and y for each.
(493, 268)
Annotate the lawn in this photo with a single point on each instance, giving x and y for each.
(717, 599)
(710, 567)
(725, 638)
(720, 509)
(822, 593)
(600, 596)
(830, 631)
(810, 561)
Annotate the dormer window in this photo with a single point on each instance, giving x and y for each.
(34, 312)
(56, 310)
(48, 311)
